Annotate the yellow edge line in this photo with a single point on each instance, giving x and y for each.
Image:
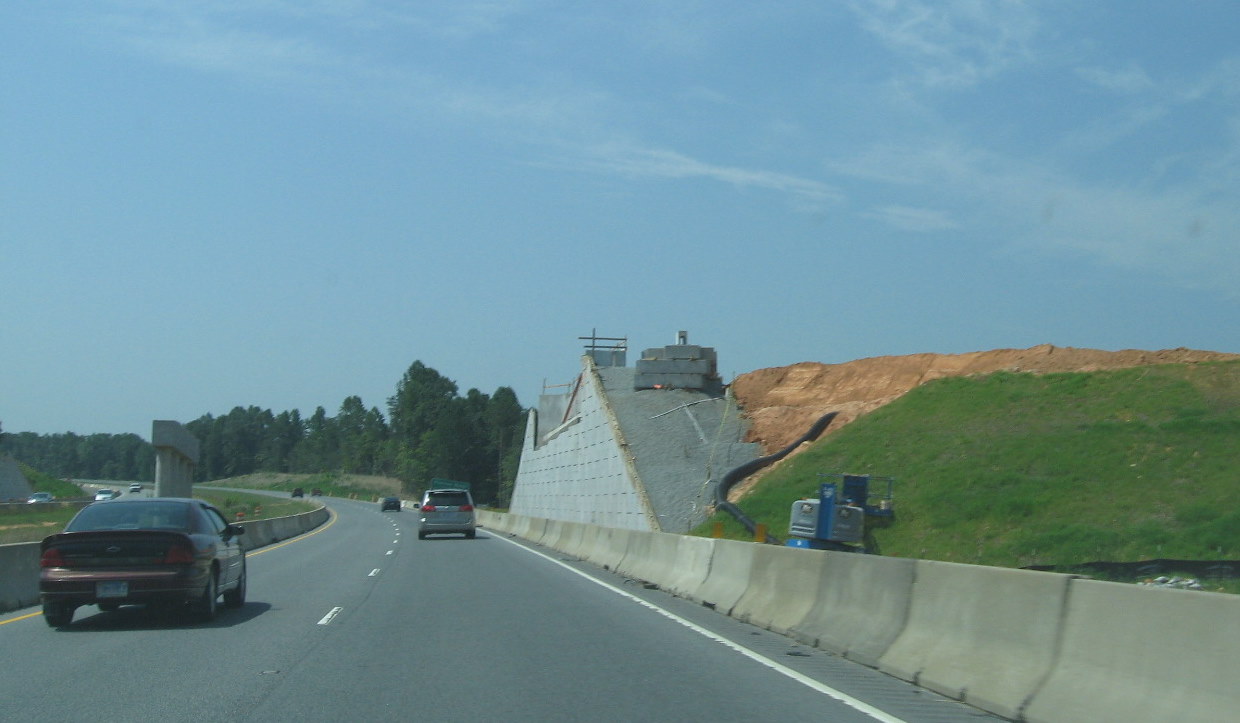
(321, 528)
(330, 521)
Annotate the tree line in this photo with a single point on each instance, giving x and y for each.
(430, 430)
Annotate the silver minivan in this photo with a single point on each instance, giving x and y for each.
(446, 511)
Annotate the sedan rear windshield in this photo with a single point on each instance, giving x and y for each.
(131, 516)
(448, 499)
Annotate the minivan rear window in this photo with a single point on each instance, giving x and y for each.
(448, 499)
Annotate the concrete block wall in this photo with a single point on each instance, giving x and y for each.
(679, 366)
(582, 474)
(1024, 645)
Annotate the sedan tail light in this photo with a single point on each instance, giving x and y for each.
(52, 558)
(178, 555)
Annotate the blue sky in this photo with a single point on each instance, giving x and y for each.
(284, 203)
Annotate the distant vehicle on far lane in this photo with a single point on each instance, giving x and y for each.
(38, 497)
(135, 487)
(389, 503)
(104, 495)
(159, 551)
(298, 492)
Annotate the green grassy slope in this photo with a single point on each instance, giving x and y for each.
(1013, 469)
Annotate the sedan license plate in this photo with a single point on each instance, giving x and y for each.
(111, 589)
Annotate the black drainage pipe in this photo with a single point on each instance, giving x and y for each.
(737, 474)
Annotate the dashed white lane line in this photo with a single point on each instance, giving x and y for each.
(331, 615)
(373, 572)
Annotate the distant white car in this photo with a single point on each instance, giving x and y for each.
(135, 487)
(38, 497)
(103, 495)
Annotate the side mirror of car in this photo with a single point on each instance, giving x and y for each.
(417, 506)
(235, 530)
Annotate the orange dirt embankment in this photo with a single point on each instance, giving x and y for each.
(783, 402)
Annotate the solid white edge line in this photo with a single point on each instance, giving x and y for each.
(805, 680)
(331, 614)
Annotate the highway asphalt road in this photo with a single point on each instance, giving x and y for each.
(361, 621)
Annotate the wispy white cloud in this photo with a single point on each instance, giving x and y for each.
(1131, 79)
(1186, 233)
(952, 43)
(919, 220)
(201, 47)
(640, 162)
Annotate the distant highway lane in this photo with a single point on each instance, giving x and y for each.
(359, 620)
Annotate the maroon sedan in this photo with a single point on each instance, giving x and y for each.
(160, 551)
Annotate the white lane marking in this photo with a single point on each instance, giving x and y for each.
(331, 615)
(395, 541)
(373, 572)
(805, 680)
(389, 552)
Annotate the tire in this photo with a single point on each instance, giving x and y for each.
(421, 535)
(58, 615)
(205, 606)
(235, 597)
(469, 535)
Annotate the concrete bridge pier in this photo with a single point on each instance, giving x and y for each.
(176, 454)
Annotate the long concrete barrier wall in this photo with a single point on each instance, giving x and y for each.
(19, 563)
(1024, 645)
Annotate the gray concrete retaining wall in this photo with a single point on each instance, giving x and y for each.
(1024, 645)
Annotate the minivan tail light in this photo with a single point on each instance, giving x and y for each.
(467, 508)
(178, 555)
(428, 508)
(52, 558)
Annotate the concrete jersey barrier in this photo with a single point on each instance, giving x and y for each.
(1024, 645)
(731, 563)
(984, 635)
(19, 575)
(783, 585)
(1133, 653)
(861, 607)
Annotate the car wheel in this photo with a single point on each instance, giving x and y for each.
(469, 535)
(421, 535)
(109, 607)
(57, 615)
(235, 597)
(205, 608)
